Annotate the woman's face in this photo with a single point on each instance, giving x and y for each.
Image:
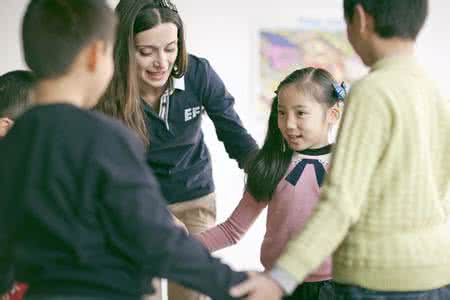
(156, 52)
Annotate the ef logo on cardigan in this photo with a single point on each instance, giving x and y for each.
(191, 113)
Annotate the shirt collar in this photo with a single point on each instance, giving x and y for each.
(177, 84)
(392, 61)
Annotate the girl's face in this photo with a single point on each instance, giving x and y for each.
(302, 120)
(156, 52)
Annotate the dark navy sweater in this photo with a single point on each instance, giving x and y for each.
(81, 213)
(177, 153)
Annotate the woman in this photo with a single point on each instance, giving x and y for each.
(161, 92)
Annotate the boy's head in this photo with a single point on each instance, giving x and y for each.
(65, 36)
(15, 90)
(368, 20)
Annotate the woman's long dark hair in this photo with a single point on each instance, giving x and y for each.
(270, 164)
(121, 100)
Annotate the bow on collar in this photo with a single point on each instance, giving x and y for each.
(297, 172)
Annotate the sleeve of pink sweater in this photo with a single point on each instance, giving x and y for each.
(231, 231)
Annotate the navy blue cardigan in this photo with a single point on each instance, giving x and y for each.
(178, 154)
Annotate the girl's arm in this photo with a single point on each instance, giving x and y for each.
(231, 231)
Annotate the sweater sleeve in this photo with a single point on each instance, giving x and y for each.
(233, 229)
(219, 105)
(8, 222)
(362, 140)
(6, 266)
(139, 226)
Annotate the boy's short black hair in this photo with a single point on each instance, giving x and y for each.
(393, 18)
(55, 31)
(15, 88)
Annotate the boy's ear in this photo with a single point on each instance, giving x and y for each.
(5, 126)
(93, 53)
(6, 122)
(364, 21)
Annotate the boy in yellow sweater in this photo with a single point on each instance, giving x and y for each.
(384, 208)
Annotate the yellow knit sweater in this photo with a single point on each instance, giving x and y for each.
(384, 208)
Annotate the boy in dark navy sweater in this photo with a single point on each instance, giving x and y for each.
(81, 215)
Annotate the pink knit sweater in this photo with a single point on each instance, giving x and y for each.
(288, 210)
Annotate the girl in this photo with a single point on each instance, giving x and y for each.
(287, 173)
(161, 92)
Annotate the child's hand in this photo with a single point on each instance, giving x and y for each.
(4, 297)
(257, 286)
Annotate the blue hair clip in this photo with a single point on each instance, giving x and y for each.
(340, 91)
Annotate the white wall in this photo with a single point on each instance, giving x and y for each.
(225, 32)
(10, 22)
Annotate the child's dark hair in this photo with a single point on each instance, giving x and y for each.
(55, 31)
(15, 90)
(270, 164)
(393, 18)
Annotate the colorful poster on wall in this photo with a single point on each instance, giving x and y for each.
(316, 43)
